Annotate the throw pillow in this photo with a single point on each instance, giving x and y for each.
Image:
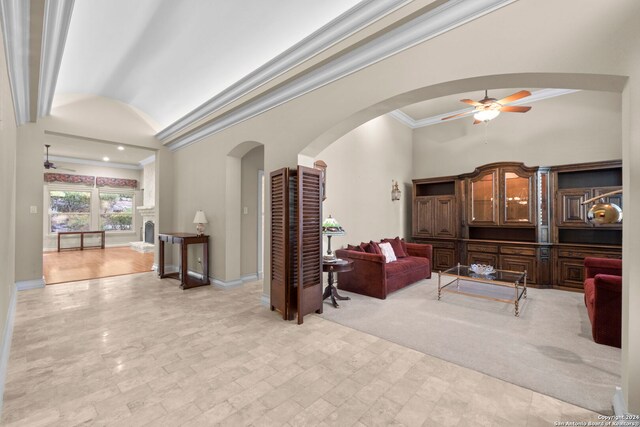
(396, 244)
(404, 246)
(387, 251)
(375, 248)
(366, 247)
(354, 248)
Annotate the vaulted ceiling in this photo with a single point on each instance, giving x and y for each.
(167, 57)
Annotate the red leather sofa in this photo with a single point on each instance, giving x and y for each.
(603, 298)
(373, 277)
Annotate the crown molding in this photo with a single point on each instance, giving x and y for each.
(150, 159)
(538, 95)
(15, 28)
(424, 27)
(338, 29)
(56, 27)
(87, 162)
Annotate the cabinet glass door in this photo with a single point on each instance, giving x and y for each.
(483, 199)
(517, 198)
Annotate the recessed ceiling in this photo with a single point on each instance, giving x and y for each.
(167, 57)
(81, 149)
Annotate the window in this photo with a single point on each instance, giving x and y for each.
(69, 210)
(116, 211)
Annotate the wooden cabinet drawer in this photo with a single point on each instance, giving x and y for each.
(583, 253)
(517, 250)
(520, 263)
(482, 258)
(482, 247)
(443, 258)
(571, 273)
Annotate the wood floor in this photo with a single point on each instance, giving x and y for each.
(71, 266)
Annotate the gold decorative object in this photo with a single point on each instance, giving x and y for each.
(604, 213)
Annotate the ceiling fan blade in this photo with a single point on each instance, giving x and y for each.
(514, 97)
(65, 169)
(471, 102)
(457, 115)
(515, 109)
(475, 122)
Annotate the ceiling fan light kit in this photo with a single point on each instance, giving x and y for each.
(489, 108)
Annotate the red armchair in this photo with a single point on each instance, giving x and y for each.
(603, 298)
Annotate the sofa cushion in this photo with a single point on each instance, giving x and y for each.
(396, 244)
(406, 264)
(590, 296)
(354, 248)
(387, 251)
(375, 248)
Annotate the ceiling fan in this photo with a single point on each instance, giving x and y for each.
(488, 108)
(51, 165)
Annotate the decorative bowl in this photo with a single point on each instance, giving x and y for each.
(482, 269)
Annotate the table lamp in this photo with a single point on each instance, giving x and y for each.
(331, 227)
(201, 220)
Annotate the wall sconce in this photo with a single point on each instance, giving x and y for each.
(395, 191)
(201, 220)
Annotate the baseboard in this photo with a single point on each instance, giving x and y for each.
(167, 268)
(24, 285)
(5, 347)
(250, 277)
(221, 284)
(619, 406)
(265, 300)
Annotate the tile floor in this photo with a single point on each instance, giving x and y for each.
(135, 350)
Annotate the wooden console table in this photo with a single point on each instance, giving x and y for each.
(184, 240)
(82, 233)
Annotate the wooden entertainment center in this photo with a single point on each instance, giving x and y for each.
(516, 217)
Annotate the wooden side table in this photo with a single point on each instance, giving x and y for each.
(331, 268)
(184, 240)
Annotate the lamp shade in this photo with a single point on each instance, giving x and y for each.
(486, 115)
(331, 226)
(200, 218)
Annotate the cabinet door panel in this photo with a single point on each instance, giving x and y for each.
(443, 258)
(482, 258)
(445, 216)
(423, 217)
(520, 263)
(571, 273)
(571, 211)
(517, 198)
(483, 198)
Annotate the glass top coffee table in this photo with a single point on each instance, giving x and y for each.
(489, 286)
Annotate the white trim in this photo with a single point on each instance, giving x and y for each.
(100, 163)
(54, 36)
(538, 95)
(443, 18)
(5, 347)
(260, 238)
(25, 285)
(168, 268)
(148, 160)
(229, 284)
(619, 405)
(250, 278)
(403, 118)
(345, 25)
(265, 300)
(15, 25)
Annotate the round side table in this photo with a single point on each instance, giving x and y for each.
(331, 268)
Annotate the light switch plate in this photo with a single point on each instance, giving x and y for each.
(245, 210)
(33, 209)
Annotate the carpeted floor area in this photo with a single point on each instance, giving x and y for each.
(547, 349)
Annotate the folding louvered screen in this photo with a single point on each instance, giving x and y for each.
(280, 282)
(296, 242)
(309, 219)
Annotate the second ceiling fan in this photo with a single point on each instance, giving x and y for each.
(488, 108)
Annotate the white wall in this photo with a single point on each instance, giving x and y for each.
(580, 127)
(8, 147)
(360, 168)
(149, 184)
(114, 238)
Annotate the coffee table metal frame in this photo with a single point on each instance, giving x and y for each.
(519, 285)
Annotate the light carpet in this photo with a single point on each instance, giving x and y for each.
(548, 349)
